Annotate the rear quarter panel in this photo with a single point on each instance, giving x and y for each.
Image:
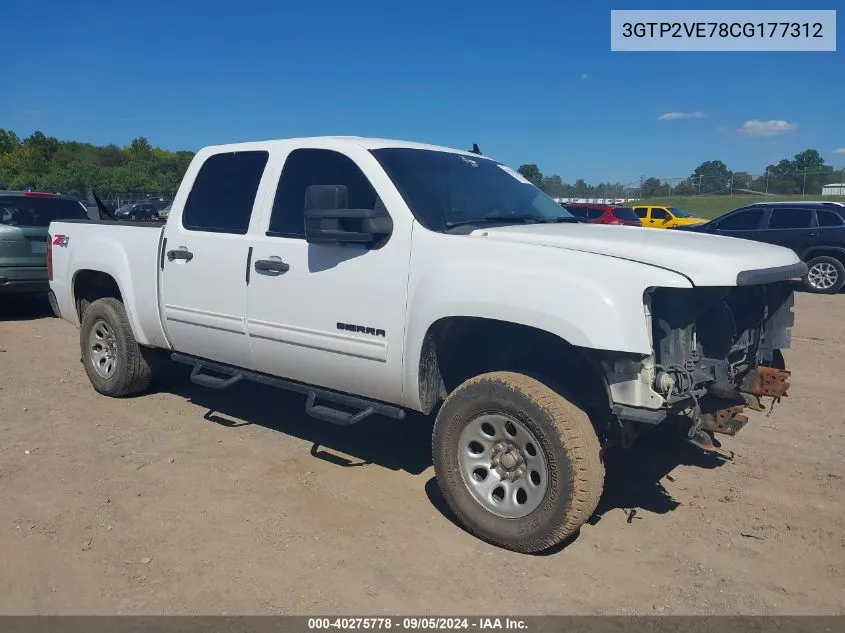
(128, 253)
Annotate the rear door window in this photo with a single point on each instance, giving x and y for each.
(790, 218)
(642, 212)
(828, 218)
(36, 211)
(224, 191)
(742, 221)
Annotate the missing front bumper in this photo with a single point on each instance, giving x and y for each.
(728, 418)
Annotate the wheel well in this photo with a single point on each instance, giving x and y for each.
(90, 285)
(825, 252)
(458, 348)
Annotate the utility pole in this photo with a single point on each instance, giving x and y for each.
(700, 176)
(804, 186)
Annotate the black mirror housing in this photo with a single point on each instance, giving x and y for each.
(329, 221)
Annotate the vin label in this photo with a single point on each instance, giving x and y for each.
(728, 30)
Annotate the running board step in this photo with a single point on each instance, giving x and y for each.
(213, 382)
(334, 416)
(362, 407)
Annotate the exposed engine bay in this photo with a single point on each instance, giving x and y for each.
(716, 352)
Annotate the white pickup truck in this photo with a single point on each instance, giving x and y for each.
(377, 276)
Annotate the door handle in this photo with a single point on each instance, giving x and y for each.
(271, 266)
(180, 253)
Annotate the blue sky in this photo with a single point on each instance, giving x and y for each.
(532, 82)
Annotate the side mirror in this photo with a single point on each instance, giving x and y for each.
(329, 221)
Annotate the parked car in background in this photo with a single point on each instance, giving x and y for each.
(24, 219)
(163, 213)
(603, 213)
(814, 230)
(146, 210)
(660, 217)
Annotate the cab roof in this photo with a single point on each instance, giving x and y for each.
(336, 142)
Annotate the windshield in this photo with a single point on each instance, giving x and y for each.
(33, 211)
(682, 214)
(443, 188)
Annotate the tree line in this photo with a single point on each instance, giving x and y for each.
(805, 173)
(45, 163)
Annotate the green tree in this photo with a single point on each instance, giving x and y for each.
(742, 180)
(531, 173)
(650, 187)
(711, 176)
(581, 189)
(140, 150)
(554, 186)
(8, 141)
(47, 163)
(810, 172)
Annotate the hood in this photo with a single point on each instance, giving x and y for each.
(690, 221)
(706, 260)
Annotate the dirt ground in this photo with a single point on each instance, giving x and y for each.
(199, 502)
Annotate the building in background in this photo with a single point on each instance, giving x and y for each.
(834, 189)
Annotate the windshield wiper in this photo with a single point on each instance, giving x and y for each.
(517, 217)
(565, 219)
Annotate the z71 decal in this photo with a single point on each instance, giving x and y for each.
(350, 327)
(61, 240)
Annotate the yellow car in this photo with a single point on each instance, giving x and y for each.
(666, 217)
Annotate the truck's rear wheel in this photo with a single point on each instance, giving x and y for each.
(115, 363)
(518, 464)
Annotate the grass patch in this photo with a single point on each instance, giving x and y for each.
(714, 206)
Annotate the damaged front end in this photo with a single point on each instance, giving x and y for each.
(716, 353)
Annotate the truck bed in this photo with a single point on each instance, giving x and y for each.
(136, 246)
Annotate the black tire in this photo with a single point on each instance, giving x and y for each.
(565, 436)
(832, 266)
(54, 305)
(132, 372)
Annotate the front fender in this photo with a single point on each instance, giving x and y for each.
(589, 300)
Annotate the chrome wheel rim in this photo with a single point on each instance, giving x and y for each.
(822, 275)
(102, 349)
(502, 465)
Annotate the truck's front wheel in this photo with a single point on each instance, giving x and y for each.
(113, 360)
(518, 464)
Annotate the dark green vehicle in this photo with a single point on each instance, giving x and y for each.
(24, 220)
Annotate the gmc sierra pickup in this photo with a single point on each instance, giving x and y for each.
(377, 276)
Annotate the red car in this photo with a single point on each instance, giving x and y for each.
(603, 213)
